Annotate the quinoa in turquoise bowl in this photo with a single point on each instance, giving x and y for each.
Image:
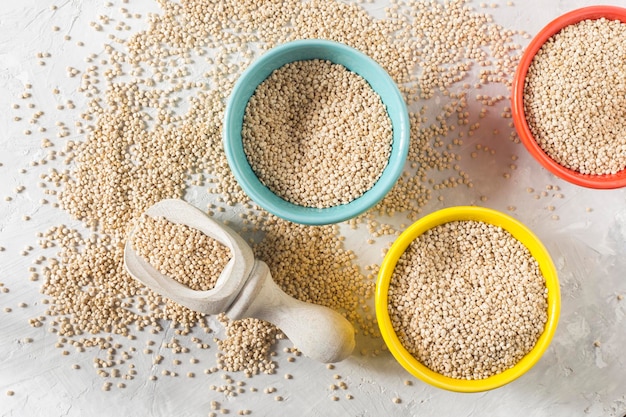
(354, 61)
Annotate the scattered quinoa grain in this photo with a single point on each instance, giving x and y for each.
(118, 167)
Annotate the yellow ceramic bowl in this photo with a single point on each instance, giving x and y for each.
(521, 233)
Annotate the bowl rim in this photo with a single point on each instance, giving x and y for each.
(258, 192)
(520, 232)
(604, 181)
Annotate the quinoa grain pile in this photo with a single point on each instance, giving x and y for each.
(92, 293)
(180, 252)
(467, 300)
(574, 97)
(316, 134)
(148, 127)
(247, 346)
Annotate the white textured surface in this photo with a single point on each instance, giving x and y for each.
(573, 378)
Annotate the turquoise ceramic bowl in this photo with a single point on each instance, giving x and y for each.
(354, 61)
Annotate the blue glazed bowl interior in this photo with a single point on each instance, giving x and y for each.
(354, 61)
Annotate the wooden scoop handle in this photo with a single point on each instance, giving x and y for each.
(319, 332)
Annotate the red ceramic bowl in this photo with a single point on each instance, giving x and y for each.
(517, 98)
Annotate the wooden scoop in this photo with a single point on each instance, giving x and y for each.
(245, 288)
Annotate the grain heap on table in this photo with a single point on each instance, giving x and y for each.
(150, 129)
